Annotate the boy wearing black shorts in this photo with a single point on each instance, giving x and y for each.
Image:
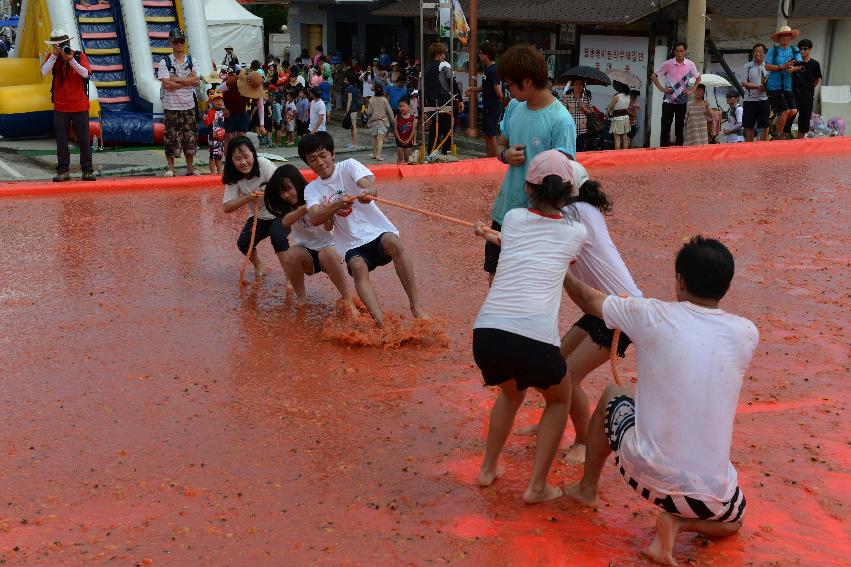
(361, 231)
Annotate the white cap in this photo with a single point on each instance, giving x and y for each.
(580, 176)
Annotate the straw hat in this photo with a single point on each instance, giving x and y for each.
(250, 84)
(213, 78)
(785, 29)
(58, 36)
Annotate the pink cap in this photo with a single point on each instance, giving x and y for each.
(550, 162)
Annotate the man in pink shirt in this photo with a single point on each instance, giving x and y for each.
(677, 72)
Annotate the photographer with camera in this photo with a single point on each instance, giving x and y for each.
(70, 96)
(781, 61)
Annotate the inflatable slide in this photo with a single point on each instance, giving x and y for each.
(124, 41)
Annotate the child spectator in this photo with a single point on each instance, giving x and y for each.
(277, 112)
(325, 94)
(733, 126)
(362, 233)
(515, 337)
(215, 122)
(317, 112)
(406, 131)
(291, 111)
(302, 113)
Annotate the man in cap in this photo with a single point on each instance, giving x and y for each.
(230, 60)
(781, 61)
(179, 77)
(733, 126)
(70, 95)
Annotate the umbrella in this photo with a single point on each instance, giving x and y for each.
(621, 87)
(590, 75)
(710, 80)
(625, 77)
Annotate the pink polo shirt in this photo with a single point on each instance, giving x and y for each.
(676, 75)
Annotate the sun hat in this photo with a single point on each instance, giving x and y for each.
(250, 84)
(58, 36)
(580, 176)
(229, 48)
(785, 30)
(550, 162)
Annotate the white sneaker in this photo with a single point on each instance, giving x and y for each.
(168, 173)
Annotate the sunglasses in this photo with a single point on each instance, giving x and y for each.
(805, 49)
(180, 41)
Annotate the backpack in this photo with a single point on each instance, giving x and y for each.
(795, 53)
(85, 81)
(173, 69)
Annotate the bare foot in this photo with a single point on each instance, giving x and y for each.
(575, 455)
(300, 301)
(350, 308)
(527, 431)
(576, 494)
(486, 478)
(259, 272)
(419, 313)
(549, 492)
(662, 548)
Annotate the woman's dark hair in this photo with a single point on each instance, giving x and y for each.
(591, 192)
(702, 88)
(272, 198)
(706, 266)
(378, 90)
(231, 174)
(554, 192)
(314, 143)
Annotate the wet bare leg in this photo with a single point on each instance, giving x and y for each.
(502, 418)
(297, 262)
(582, 361)
(669, 526)
(330, 261)
(259, 268)
(360, 273)
(550, 433)
(597, 450)
(392, 246)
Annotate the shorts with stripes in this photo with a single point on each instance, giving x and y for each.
(620, 418)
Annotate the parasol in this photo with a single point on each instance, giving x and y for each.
(625, 77)
(710, 80)
(590, 75)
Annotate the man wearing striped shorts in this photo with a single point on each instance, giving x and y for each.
(672, 442)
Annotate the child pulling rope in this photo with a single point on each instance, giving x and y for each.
(242, 281)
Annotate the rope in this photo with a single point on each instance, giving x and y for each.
(242, 281)
(447, 218)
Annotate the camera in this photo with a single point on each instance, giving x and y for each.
(66, 49)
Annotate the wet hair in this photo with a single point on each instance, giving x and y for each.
(313, 143)
(521, 62)
(706, 267)
(488, 49)
(554, 192)
(591, 192)
(805, 43)
(272, 198)
(762, 45)
(436, 49)
(231, 174)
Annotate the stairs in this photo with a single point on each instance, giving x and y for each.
(161, 17)
(101, 44)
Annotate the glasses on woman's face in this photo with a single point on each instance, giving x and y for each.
(179, 41)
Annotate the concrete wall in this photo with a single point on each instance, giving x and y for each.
(840, 66)
(303, 14)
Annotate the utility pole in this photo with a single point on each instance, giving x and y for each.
(696, 32)
(781, 18)
(472, 70)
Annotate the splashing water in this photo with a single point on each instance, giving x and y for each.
(397, 331)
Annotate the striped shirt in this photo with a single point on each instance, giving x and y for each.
(179, 99)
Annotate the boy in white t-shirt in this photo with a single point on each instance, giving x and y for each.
(318, 118)
(362, 233)
(672, 443)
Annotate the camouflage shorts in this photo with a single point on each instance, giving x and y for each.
(181, 133)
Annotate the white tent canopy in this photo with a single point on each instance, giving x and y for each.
(229, 24)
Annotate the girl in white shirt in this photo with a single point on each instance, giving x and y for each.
(516, 337)
(587, 344)
(313, 250)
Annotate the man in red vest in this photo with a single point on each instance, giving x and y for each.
(70, 96)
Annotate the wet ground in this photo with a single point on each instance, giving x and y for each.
(153, 415)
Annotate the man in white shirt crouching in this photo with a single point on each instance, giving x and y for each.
(672, 442)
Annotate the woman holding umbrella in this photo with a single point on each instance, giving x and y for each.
(577, 100)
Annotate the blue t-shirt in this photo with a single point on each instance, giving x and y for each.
(394, 95)
(385, 60)
(324, 91)
(550, 128)
(302, 107)
(356, 98)
(780, 80)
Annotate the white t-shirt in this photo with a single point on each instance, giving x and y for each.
(691, 361)
(180, 99)
(599, 264)
(526, 292)
(312, 237)
(245, 186)
(317, 109)
(366, 222)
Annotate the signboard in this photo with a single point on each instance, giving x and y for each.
(624, 59)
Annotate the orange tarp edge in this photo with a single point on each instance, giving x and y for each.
(484, 166)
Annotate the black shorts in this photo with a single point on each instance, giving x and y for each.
(372, 253)
(633, 130)
(755, 113)
(781, 101)
(266, 228)
(492, 251)
(314, 255)
(490, 121)
(504, 356)
(236, 122)
(602, 335)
